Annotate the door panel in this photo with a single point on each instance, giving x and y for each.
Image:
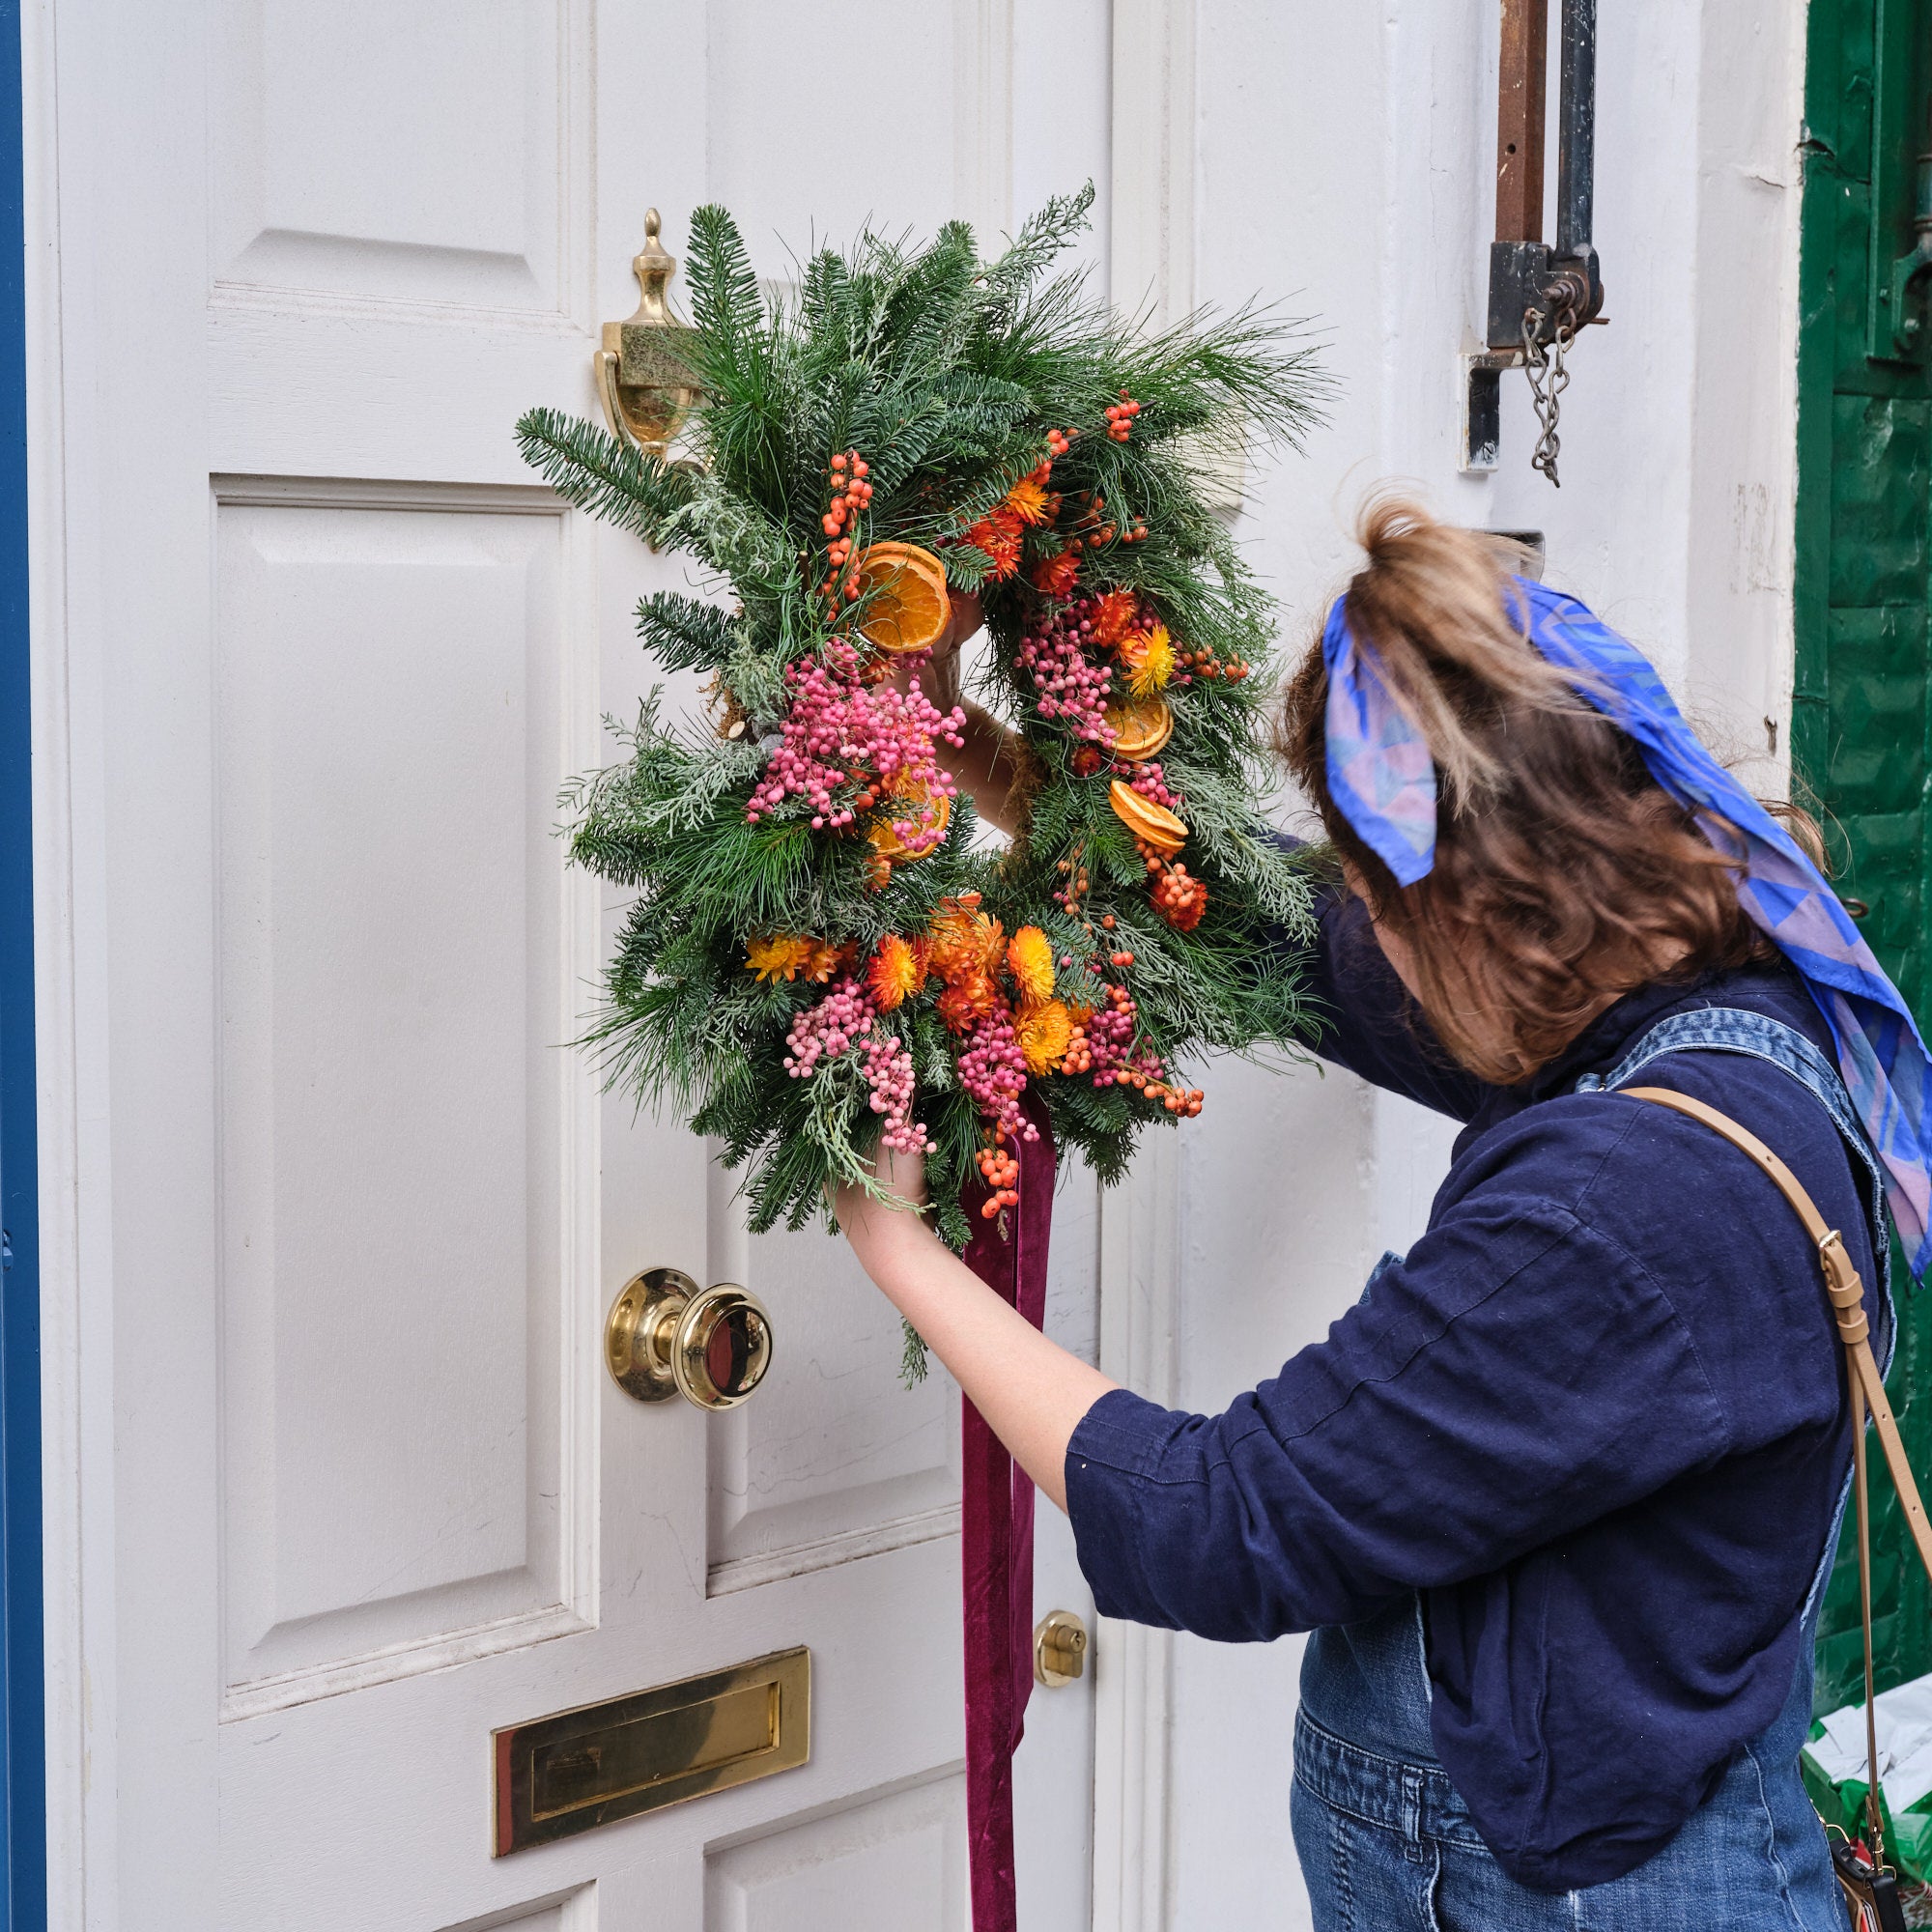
(466, 107)
(395, 1120)
(841, 1460)
(353, 1489)
(894, 1864)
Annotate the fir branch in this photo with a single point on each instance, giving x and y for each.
(591, 471)
(684, 633)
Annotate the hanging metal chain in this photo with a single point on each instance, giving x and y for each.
(1548, 380)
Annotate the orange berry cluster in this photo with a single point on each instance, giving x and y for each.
(1205, 664)
(1069, 896)
(1079, 1056)
(1093, 527)
(1058, 439)
(1184, 1101)
(850, 493)
(1120, 418)
(1001, 1172)
(1178, 897)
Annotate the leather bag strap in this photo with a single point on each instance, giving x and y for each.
(1867, 1389)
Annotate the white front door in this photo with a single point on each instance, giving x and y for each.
(337, 1485)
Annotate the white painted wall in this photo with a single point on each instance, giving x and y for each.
(1343, 160)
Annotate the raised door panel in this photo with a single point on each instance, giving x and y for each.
(407, 1172)
(889, 1864)
(573, 1911)
(793, 154)
(399, 154)
(835, 1458)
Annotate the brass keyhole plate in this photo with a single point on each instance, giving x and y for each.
(1060, 1646)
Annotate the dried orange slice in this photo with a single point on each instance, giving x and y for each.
(890, 846)
(1153, 824)
(1140, 729)
(902, 594)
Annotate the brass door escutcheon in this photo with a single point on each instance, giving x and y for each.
(666, 1336)
(1059, 1649)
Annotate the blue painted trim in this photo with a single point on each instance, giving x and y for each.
(23, 1790)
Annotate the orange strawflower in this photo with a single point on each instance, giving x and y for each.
(897, 969)
(1056, 576)
(1044, 1033)
(965, 944)
(966, 1000)
(1114, 616)
(1030, 958)
(999, 534)
(1031, 501)
(1149, 658)
(825, 961)
(782, 956)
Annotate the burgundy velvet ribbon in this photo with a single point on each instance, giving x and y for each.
(996, 1543)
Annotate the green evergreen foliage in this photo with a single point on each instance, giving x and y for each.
(947, 372)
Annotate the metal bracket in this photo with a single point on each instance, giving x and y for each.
(1482, 439)
(1540, 294)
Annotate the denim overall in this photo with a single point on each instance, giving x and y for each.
(1386, 1843)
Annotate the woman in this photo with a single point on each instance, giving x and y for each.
(1558, 1497)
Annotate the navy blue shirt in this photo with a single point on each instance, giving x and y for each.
(1597, 1416)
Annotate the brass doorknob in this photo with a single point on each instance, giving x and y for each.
(1059, 1649)
(667, 1336)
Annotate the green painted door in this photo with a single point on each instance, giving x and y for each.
(1862, 711)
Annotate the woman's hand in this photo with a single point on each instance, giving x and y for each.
(873, 1226)
(1030, 1390)
(992, 756)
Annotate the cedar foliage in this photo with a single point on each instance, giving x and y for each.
(946, 372)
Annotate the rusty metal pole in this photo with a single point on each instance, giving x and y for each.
(1520, 99)
(1518, 258)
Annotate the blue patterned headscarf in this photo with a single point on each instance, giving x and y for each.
(1382, 781)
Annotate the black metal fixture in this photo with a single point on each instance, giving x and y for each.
(1540, 294)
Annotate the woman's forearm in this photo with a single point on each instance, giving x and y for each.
(989, 768)
(1030, 1390)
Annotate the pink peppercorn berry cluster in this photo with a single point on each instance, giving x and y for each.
(1120, 418)
(850, 493)
(1148, 779)
(842, 731)
(1110, 1042)
(841, 1022)
(992, 1071)
(1053, 652)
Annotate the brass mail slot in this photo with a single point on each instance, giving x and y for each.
(570, 1772)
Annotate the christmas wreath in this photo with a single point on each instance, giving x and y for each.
(820, 951)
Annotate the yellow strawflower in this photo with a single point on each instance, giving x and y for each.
(1029, 501)
(1044, 1032)
(779, 957)
(1030, 958)
(1150, 660)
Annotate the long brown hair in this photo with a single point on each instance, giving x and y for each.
(1564, 876)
